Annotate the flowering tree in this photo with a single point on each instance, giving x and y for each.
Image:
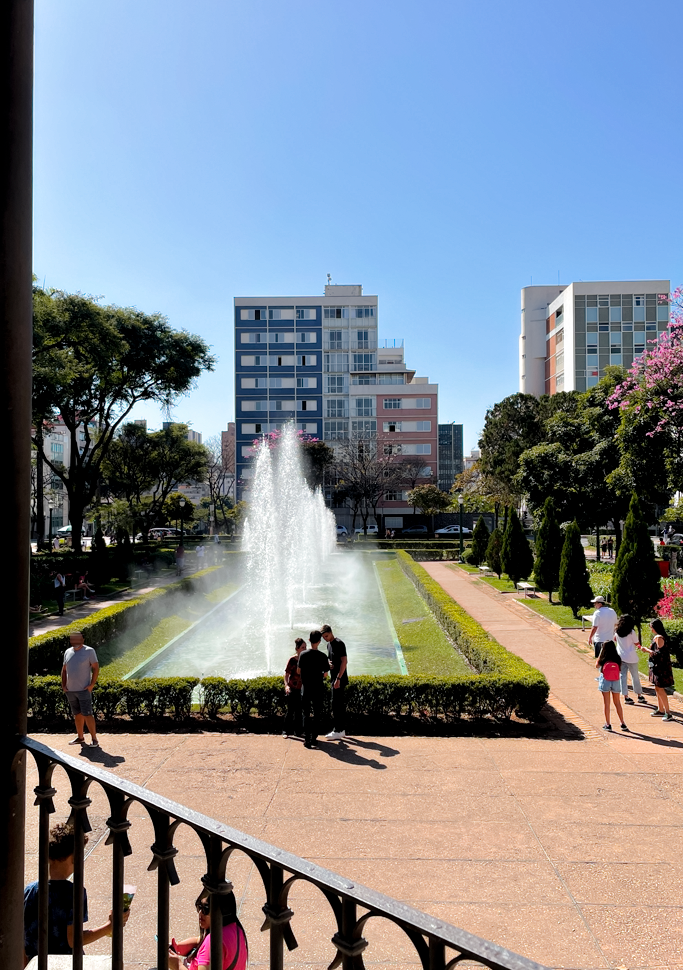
(651, 403)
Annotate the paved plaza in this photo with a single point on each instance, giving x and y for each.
(562, 843)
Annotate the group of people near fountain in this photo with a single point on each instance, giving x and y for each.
(305, 675)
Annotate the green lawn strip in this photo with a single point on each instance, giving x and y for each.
(463, 565)
(426, 648)
(123, 653)
(502, 585)
(562, 615)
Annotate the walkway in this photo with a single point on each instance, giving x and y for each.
(564, 846)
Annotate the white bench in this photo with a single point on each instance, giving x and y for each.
(485, 570)
(58, 962)
(527, 587)
(586, 619)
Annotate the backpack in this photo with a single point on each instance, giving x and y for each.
(611, 670)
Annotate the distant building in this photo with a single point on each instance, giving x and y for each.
(471, 459)
(571, 333)
(191, 435)
(450, 454)
(317, 361)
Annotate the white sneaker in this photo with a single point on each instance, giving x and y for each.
(335, 735)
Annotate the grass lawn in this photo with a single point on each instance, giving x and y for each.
(562, 615)
(124, 652)
(426, 648)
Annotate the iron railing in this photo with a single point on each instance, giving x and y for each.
(438, 945)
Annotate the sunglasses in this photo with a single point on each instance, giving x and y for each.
(204, 908)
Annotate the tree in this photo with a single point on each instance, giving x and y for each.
(176, 511)
(575, 588)
(480, 542)
(365, 476)
(144, 468)
(220, 477)
(92, 364)
(511, 427)
(493, 552)
(549, 543)
(636, 581)
(516, 555)
(430, 500)
(650, 402)
(317, 459)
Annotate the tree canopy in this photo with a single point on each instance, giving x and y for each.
(92, 364)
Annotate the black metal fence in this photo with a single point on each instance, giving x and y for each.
(437, 944)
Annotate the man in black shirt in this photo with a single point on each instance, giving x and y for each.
(336, 653)
(313, 669)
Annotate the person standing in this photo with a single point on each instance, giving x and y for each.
(661, 672)
(627, 642)
(336, 655)
(179, 559)
(609, 682)
(293, 723)
(313, 669)
(610, 547)
(60, 589)
(604, 621)
(79, 675)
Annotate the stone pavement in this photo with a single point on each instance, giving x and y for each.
(565, 847)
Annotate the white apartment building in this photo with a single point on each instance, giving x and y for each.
(569, 334)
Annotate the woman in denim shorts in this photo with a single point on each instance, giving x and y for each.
(609, 682)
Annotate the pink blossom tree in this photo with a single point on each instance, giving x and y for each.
(651, 403)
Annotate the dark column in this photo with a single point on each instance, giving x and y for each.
(16, 122)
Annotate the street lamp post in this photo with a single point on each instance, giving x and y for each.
(51, 507)
(460, 504)
(182, 503)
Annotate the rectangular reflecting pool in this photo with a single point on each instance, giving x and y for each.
(238, 639)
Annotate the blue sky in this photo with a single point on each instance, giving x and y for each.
(442, 154)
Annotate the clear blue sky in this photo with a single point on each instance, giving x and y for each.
(440, 153)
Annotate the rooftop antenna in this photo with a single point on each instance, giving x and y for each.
(329, 279)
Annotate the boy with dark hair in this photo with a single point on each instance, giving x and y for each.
(293, 723)
(336, 654)
(60, 900)
(313, 669)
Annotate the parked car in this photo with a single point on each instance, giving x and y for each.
(160, 532)
(372, 530)
(676, 539)
(452, 530)
(415, 530)
(342, 530)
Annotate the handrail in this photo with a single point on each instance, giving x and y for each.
(430, 936)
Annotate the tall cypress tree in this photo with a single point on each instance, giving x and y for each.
(516, 555)
(549, 542)
(575, 588)
(636, 581)
(493, 552)
(480, 542)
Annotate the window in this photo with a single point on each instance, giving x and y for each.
(638, 347)
(56, 448)
(254, 405)
(364, 429)
(336, 430)
(603, 327)
(650, 326)
(305, 314)
(336, 408)
(362, 338)
(663, 313)
(304, 337)
(422, 449)
(395, 496)
(253, 314)
(363, 311)
(639, 299)
(392, 449)
(423, 402)
(364, 406)
(591, 314)
(363, 361)
(559, 337)
(335, 312)
(306, 382)
(592, 340)
(558, 315)
(627, 327)
(424, 426)
(336, 362)
(334, 339)
(281, 314)
(305, 360)
(392, 403)
(615, 314)
(603, 300)
(308, 405)
(282, 338)
(391, 426)
(334, 384)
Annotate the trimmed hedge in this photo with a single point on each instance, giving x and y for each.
(151, 697)
(511, 683)
(425, 543)
(46, 650)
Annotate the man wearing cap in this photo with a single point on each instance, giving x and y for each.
(604, 621)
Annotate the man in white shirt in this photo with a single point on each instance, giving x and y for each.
(604, 621)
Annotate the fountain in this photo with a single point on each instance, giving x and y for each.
(294, 581)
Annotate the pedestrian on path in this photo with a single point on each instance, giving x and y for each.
(79, 675)
(179, 559)
(60, 589)
(610, 547)
(293, 721)
(627, 644)
(604, 621)
(609, 682)
(336, 654)
(313, 669)
(661, 672)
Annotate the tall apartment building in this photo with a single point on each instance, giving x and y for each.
(450, 454)
(571, 333)
(317, 361)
